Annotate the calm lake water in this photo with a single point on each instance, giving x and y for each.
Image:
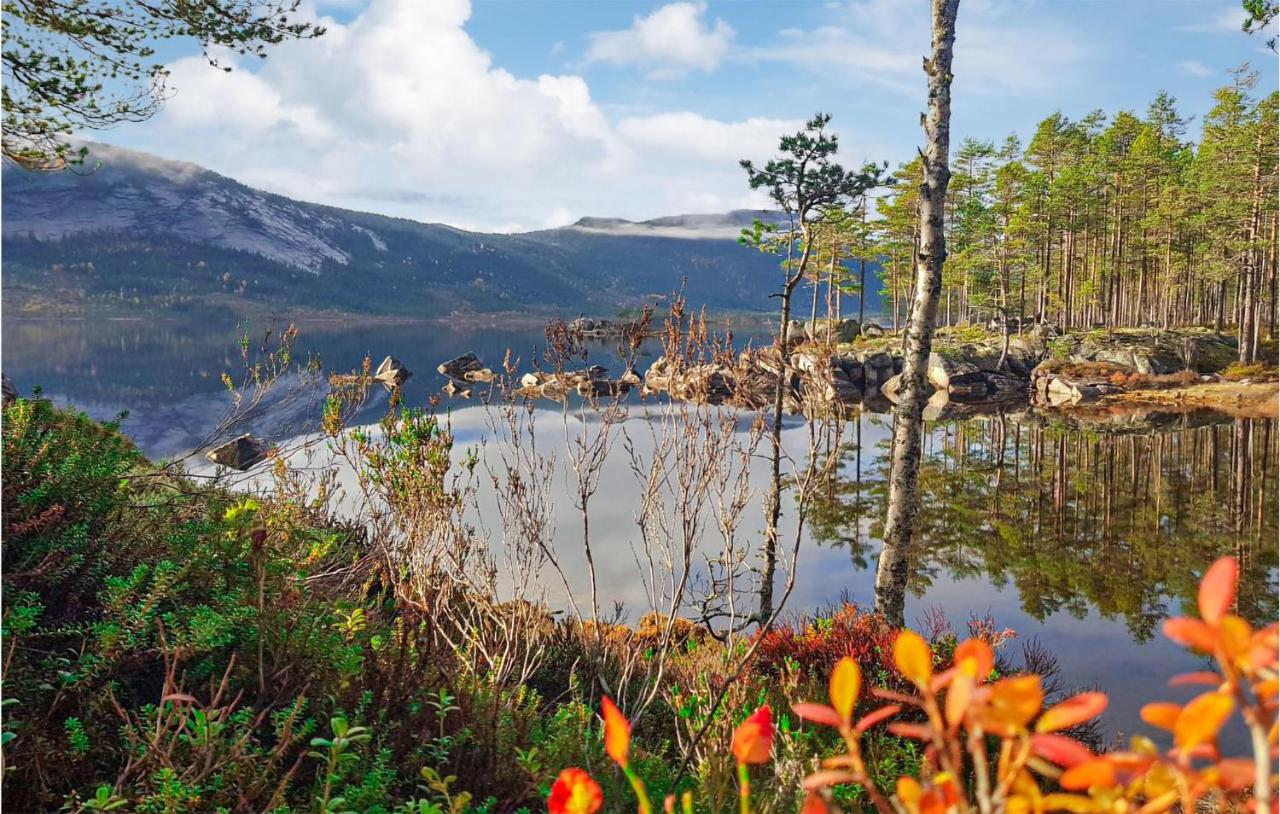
(1082, 538)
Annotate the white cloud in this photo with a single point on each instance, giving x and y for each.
(671, 41)
(882, 41)
(1195, 68)
(399, 111)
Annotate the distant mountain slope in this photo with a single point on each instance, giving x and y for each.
(150, 233)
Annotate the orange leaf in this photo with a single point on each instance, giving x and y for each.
(1190, 633)
(753, 739)
(617, 732)
(1208, 677)
(827, 777)
(980, 652)
(1060, 749)
(574, 792)
(1012, 704)
(818, 713)
(909, 791)
(1074, 710)
(960, 692)
(813, 804)
(1161, 715)
(1218, 589)
(911, 654)
(872, 718)
(846, 683)
(1201, 719)
(1093, 772)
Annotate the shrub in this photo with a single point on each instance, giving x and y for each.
(992, 744)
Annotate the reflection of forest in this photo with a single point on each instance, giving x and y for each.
(1119, 523)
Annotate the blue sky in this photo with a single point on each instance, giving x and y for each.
(520, 114)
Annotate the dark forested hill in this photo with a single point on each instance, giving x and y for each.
(143, 232)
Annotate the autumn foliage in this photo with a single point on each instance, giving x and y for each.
(992, 746)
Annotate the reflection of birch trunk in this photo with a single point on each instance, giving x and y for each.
(904, 473)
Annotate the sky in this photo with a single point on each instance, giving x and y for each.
(511, 115)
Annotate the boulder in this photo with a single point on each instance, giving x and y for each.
(1002, 386)
(8, 388)
(831, 330)
(892, 388)
(878, 361)
(240, 453)
(458, 367)
(483, 375)
(871, 329)
(631, 377)
(391, 372)
(452, 388)
(600, 388)
(959, 378)
(534, 379)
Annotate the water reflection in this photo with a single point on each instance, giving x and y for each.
(1073, 520)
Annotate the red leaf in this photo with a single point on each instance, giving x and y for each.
(1206, 677)
(919, 732)
(872, 718)
(1060, 749)
(1218, 589)
(818, 713)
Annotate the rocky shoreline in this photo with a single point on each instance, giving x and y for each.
(830, 365)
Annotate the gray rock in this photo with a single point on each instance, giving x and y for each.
(392, 373)
(871, 329)
(483, 375)
(8, 388)
(240, 453)
(458, 367)
(960, 378)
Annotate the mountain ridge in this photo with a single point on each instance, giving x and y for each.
(149, 233)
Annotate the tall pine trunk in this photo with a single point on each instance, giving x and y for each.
(904, 498)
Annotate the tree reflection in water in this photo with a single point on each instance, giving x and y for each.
(1074, 516)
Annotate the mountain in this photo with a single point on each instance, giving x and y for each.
(148, 233)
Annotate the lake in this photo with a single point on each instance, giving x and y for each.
(1080, 537)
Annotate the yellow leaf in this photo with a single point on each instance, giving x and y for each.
(1201, 719)
(846, 683)
(911, 654)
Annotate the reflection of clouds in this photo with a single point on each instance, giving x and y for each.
(167, 429)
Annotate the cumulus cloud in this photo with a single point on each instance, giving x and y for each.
(399, 111)
(668, 43)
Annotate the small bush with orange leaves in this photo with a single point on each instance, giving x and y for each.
(991, 746)
(815, 645)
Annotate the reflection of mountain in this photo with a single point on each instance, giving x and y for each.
(174, 235)
(1118, 523)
